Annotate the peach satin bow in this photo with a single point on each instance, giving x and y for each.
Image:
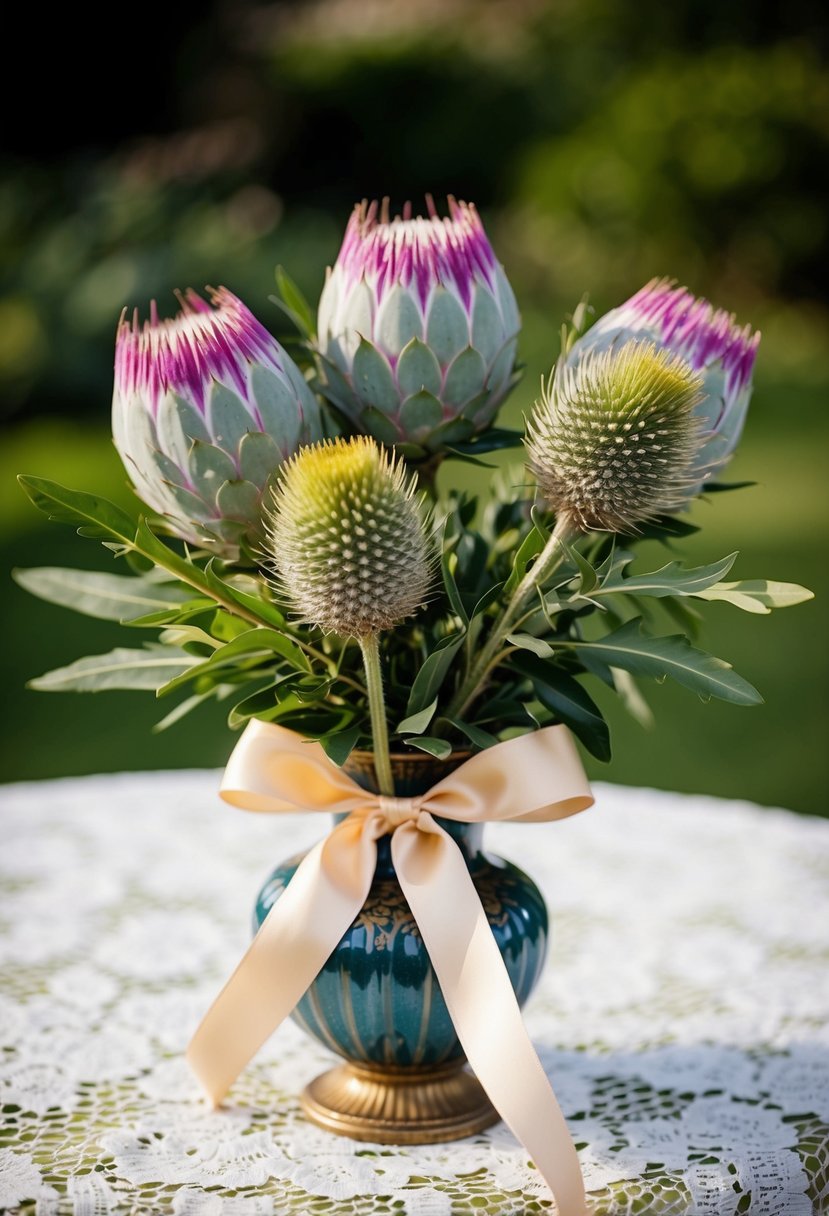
(535, 778)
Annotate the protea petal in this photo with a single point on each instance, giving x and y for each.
(206, 407)
(418, 326)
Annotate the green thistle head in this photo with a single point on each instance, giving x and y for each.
(348, 539)
(613, 439)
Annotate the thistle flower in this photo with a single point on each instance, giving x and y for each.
(709, 339)
(418, 327)
(348, 539)
(206, 407)
(615, 439)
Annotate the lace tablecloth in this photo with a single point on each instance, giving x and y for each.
(682, 1015)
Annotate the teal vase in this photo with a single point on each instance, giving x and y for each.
(377, 1001)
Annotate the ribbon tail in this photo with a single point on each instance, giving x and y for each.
(299, 933)
(482, 1004)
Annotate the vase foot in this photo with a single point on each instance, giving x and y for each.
(399, 1106)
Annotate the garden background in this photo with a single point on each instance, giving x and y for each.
(603, 142)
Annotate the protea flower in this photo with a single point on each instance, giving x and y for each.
(206, 407)
(348, 539)
(712, 343)
(417, 327)
(615, 439)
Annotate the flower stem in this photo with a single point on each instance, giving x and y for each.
(377, 709)
(488, 658)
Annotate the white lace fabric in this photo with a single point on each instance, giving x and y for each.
(682, 1015)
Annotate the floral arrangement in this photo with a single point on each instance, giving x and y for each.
(297, 561)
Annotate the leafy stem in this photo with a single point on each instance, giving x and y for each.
(377, 709)
(489, 656)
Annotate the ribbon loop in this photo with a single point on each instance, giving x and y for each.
(533, 778)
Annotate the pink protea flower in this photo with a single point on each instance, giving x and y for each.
(206, 407)
(708, 339)
(418, 327)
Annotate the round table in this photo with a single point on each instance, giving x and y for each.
(682, 1016)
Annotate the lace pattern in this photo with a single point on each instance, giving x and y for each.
(681, 1016)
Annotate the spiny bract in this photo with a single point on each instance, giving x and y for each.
(614, 438)
(206, 407)
(348, 539)
(418, 327)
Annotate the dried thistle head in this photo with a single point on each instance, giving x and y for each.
(614, 438)
(348, 538)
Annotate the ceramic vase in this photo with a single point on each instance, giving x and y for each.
(377, 1002)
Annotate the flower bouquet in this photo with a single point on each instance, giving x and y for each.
(407, 659)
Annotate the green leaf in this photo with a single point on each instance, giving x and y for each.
(674, 656)
(180, 711)
(226, 627)
(256, 642)
(93, 516)
(672, 579)
(478, 737)
(565, 697)
(174, 616)
(454, 450)
(663, 527)
(435, 747)
(182, 635)
(530, 547)
(293, 303)
(721, 487)
(488, 597)
(526, 641)
(539, 517)
(109, 597)
(416, 724)
(340, 744)
(684, 613)
(448, 565)
(628, 692)
(267, 611)
(253, 705)
(432, 673)
(494, 439)
(311, 689)
(588, 578)
(146, 542)
(121, 668)
(757, 595)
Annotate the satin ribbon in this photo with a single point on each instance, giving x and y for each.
(531, 779)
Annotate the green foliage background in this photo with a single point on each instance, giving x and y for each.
(604, 144)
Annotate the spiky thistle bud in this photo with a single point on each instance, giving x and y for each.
(614, 438)
(709, 338)
(348, 539)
